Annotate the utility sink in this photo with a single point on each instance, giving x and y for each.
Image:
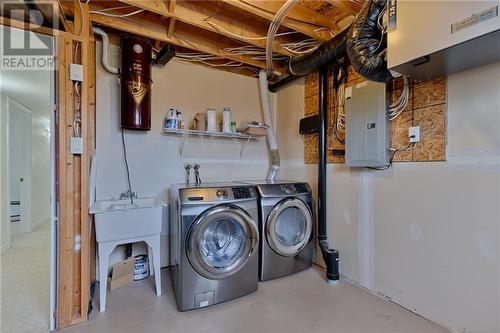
(121, 219)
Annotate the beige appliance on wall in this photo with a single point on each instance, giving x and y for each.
(465, 34)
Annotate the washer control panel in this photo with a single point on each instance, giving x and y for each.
(242, 192)
(199, 195)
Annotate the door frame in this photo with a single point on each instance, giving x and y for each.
(26, 223)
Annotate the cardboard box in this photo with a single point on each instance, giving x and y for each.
(122, 274)
(256, 131)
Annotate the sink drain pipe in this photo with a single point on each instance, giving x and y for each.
(330, 256)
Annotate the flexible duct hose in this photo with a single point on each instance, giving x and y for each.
(271, 138)
(367, 43)
(325, 53)
(105, 50)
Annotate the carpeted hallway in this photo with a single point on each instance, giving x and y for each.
(24, 279)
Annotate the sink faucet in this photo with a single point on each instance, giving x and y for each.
(188, 167)
(196, 168)
(128, 194)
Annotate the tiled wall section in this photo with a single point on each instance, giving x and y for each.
(426, 108)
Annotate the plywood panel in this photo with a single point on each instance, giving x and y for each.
(426, 108)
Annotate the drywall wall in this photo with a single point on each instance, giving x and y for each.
(40, 163)
(154, 158)
(4, 207)
(426, 235)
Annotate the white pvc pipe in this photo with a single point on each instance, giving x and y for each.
(266, 109)
(105, 50)
(271, 138)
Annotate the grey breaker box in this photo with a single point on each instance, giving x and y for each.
(366, 125)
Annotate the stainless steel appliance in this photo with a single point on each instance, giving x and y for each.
(214, 243)
(286, 226)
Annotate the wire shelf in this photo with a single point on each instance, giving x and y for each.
(210, 134)
(245, 138)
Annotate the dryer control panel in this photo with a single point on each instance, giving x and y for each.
(284, 189)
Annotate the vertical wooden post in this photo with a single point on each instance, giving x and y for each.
(73, 172)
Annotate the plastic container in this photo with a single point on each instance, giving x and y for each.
(233, 127)
(180, 121)
(171, 118)
(141, 267)
(226, 120)
(211, 120)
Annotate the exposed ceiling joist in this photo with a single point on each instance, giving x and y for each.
(349, 6)
(205, 15)
(182, 37)
(301, 19)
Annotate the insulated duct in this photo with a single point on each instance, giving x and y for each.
(271, 138)
(367, 43)
(307, 63)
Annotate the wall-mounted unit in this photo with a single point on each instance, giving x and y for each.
(366, 125)
(428, 39)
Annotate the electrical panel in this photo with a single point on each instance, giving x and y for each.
(366, 125)
(428, 39)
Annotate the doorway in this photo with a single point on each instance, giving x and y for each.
(27, 186)
(19, 174)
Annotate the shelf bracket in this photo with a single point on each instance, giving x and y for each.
(181, 144)
(244, 145)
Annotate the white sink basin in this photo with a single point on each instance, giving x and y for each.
(121, 219)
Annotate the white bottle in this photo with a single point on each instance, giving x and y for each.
(211, 120)
(226, 120)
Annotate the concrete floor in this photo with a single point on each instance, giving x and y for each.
(24, 275)
(299, 303)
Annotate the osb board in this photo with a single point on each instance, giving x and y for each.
(426, 108)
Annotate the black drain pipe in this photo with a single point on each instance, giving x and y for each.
(330, 256)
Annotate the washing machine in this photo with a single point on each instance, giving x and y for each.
(214, 244)
(286, 227)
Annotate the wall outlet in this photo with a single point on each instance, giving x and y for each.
(414, 134)
(76, 72)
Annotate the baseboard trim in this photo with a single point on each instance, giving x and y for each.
(38, 223)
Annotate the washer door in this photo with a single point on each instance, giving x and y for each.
(221, 240)
(289, 227)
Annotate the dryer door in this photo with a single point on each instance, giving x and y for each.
(289, 227)
(221, 240)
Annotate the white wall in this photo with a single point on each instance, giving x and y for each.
(425, 235)
(40, 164)
(4, 206)
(154, 159)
